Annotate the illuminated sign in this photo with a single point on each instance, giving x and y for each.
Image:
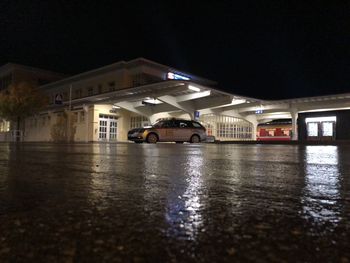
(58, 99)
(259, 111)
(196, 115)
(172, 75)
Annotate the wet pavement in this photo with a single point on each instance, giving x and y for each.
(174, 203)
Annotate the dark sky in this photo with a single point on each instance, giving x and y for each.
(264, 49)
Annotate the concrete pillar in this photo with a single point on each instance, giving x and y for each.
(86, 115)
(253, 120)
(52, 121)
(294, 114)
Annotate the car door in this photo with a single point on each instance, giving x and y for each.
(182, 131)
(166, 131)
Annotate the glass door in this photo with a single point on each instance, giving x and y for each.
(102, 135)
(112, 130)
(108, 128)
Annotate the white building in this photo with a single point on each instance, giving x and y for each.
(103, 104)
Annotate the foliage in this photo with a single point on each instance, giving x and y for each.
(21, 100)
(64, 128)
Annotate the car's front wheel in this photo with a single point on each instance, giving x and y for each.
(195, 139)
(152, 138)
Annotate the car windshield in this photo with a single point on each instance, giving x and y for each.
(158, 124)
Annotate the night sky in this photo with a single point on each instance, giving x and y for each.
(263, 49)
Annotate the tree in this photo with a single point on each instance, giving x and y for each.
(21, 100)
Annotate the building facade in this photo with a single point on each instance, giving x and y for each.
(12, 74)
(103, 104)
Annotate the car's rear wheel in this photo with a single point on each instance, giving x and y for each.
(195, 139)
(152, 138)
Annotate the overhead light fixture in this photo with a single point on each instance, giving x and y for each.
(115, 107)
(172, 75)
(194, 88)
(321, 119)
(151, 101)
(236, 101)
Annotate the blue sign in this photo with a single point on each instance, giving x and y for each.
(196, 115)
(259, 111)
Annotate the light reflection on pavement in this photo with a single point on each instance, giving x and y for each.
(174, 203)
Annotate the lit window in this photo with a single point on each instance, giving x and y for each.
(327, 129)
(312, 129)
(321, 119)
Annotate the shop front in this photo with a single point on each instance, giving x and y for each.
(324, 126)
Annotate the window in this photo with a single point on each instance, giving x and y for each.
(143, 78)
(159, 124)
(327, 129)
(138, 121)
(90, 91)
(196, 125)
(312, 129)
(99, 89)
(320, 126)
(182, 124)
(111, 86)
(168, 124)
(77, 94)
(226, 127)
(106, 116)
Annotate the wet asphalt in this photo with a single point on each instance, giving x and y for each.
(174, 203)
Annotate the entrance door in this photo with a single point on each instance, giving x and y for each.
(321, 128)
(108, 128)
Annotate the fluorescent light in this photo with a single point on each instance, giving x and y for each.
(115, 107)
(194, 88)
(321, 119)
(172, 75)
(237, 101)
(152, 101)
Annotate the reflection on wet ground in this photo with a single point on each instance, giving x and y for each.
(174, 203)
